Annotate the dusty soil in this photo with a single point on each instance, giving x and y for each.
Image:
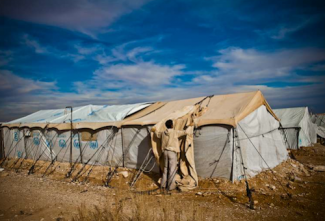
(295, 191)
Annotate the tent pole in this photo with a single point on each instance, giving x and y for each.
(81, 160)
(122, 145)
(24, 134)
(1, 143)
(233, 155)
(70, 160)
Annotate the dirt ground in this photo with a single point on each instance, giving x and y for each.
(54, 197)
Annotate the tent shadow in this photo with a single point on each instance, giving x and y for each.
(231, 198)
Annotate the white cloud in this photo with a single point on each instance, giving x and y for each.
(237, 65)
(85, 16)
(133, 54)
(142, 73)
(18, 85)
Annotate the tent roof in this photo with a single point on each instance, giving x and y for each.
(222, 109)
(319, 119)
(89, 116)
(291, 117)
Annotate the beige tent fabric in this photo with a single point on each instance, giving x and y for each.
(223, 109)
(183, 119)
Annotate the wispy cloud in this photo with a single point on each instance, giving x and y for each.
(5, 57)
(86, 16)
(49, 50)
(282, 31)
(242, 66)
(33, 44)
(147, 74)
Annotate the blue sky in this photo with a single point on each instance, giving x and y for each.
(79, 52)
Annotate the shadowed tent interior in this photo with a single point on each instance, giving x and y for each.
(297, 127)
(235, 129)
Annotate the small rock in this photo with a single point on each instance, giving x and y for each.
(207, 194)
(255, 202)
(291, 177)
(3, 174)
(199, 194)
(290, 187)
(297, 179)
(293, 165)
(125, 174)
(319, 168)
(271, 205)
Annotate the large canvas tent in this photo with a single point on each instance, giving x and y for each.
(232, 124)
(297, 127)
(48, 133)
(235, 130)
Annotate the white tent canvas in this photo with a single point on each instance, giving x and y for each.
(298, 129)
(28, 137)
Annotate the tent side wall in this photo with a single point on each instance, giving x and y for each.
(213, 151)
(258, 139)
(291, 137)
(136, 145)
(13, 142)
(49, 144)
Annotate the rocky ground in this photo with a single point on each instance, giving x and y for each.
(295, 191)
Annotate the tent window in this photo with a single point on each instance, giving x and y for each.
(88, 136)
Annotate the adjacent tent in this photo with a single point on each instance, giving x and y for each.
(232, 131)
(319, 120)
(232, 124)
(297, 127)
(47, 133)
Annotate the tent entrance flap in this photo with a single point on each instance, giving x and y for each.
(186, 175)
